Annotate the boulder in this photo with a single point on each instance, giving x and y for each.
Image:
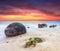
(42, 25)
(52, 26)
(15, 29)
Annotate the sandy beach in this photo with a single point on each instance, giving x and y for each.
(51, 41)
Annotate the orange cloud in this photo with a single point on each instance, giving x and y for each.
(27, 14)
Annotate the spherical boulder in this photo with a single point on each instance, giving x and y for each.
(15, 29)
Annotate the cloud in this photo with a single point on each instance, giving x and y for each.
(50, 7)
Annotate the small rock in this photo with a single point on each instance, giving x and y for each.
(28, 27)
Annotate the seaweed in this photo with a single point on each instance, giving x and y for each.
(33, 42)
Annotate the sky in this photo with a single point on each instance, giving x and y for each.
(27, 10)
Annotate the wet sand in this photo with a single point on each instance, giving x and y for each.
(51, 41)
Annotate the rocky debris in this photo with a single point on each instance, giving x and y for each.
(15, 29)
